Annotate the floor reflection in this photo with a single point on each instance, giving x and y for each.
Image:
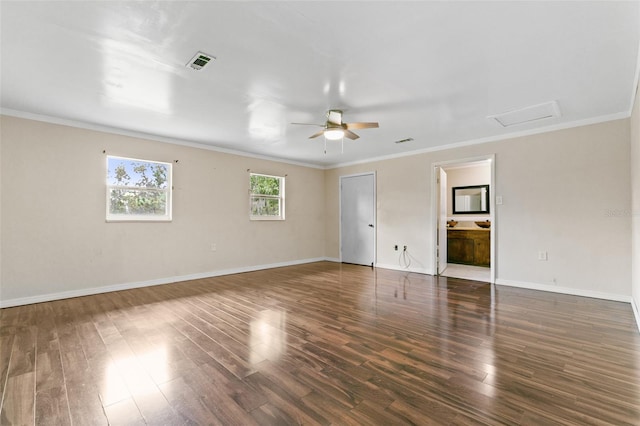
(131, 375)
(268, 336)
(456, 313)
(322, 344)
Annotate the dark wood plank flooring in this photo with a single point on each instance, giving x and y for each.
(321, 343)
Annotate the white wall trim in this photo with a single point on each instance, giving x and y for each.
(200, 145)
(170, 280)
(636, 312)
(160, 281)
(495, 138)
(566, 290)
(403, 269)
(148, 136)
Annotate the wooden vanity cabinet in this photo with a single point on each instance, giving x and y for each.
(469, 247)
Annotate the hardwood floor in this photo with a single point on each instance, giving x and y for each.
(321, 343)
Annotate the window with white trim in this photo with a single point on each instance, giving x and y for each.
(266, 197)
(138, 190)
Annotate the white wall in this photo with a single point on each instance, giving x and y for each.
(474, 174)
(561, 191)
(565, 192)
(403, 206)
(634, 212)
(55, 239)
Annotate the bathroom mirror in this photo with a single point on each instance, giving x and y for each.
(470, 199)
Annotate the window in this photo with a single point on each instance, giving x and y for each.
(138, 190)
(266, 197)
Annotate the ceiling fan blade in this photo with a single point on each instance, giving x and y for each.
(350, 135)
(309, 124)
(361, 125)
(334, 122)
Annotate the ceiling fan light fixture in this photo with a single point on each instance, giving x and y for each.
(334, 134)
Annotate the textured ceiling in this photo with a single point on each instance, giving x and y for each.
(431, 71)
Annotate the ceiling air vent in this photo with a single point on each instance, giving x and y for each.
(527, 114)
(404, 140)
(200, 60)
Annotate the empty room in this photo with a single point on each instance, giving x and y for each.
(313, 212)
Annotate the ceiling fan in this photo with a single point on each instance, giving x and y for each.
(335, 129)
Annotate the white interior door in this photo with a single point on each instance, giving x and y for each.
(442, 220)
(357, 219)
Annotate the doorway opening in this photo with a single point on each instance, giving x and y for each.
(464, 218)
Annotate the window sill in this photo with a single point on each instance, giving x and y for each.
(138, 219)
(262, 218)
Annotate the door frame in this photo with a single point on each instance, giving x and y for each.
(441, 242)
(375, 211)
(435, 214)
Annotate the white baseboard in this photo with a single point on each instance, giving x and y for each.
(128, 286)
(168, 280)
(403, 269)
(636, 312)
(566, 290)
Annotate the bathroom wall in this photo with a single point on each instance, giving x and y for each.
(466, 175)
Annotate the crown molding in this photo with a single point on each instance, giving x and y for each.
(148, 136)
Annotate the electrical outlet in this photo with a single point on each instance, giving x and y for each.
(395, 247)
(214, 247)
(543, 255)
(499, 199)
(405, 248)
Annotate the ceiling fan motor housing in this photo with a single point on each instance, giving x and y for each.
(335, 129)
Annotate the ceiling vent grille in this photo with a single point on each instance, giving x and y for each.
(527, 114)
(404, 140)
(200, 60)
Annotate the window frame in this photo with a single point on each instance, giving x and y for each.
(280, 197)
(129, 217)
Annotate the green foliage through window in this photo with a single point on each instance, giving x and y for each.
(138, 189)
(266, 197)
